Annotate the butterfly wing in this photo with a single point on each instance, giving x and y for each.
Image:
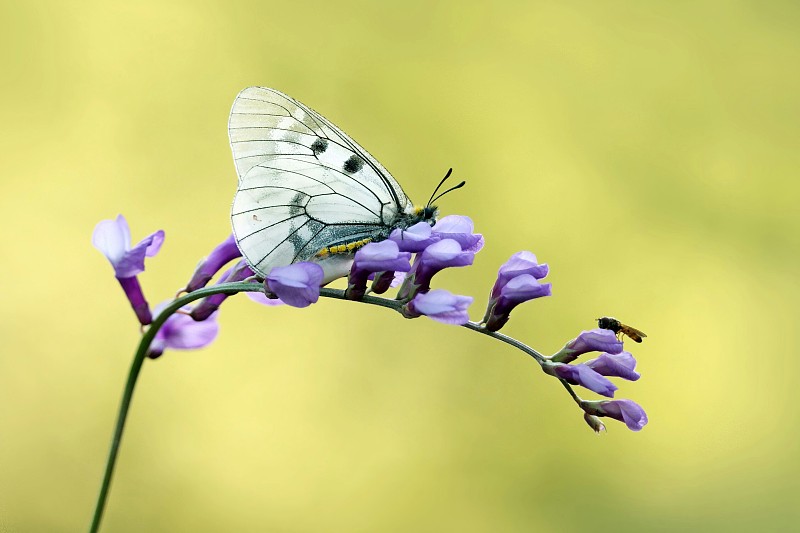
(303, 183)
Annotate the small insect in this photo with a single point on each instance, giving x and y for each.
(619, 328)
(307, 191)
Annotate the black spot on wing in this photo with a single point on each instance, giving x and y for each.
(353, 164)
(319, 146)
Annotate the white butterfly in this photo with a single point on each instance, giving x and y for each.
(307, 191)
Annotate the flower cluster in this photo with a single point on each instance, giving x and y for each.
(409, 259)
(517, 282)
(593, 375)
(180, 332)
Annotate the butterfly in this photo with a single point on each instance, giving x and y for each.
(307, 191)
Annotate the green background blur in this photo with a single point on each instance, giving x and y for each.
(647, 151)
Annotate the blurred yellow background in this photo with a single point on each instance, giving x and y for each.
(646, 151)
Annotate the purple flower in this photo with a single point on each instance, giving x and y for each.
(436, 257)
(459, 228)
(517, 290)
(620, 365)
(593, 340)
(297, 284)
(519, 264)
(375, 257)
(208, 305)
(623, 410)
(181, 332)
(415, 238)
(113, 239)
(581, 375)
(440, 305)
(225, 252)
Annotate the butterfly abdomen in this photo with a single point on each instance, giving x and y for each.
(344, 248)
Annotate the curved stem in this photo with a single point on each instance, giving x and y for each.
(233, 288)
(133, 375)
(508, 340)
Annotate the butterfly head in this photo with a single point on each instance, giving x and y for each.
(428, 214)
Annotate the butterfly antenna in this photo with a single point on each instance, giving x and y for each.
(450, 171)
(447, 191)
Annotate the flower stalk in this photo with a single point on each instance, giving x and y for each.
(229, 289)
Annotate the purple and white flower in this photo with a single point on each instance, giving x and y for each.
(113, 239)
(415, 238)
(297, 284)
(581, 375)
(626, 411)
(519, 264)
(619, 365)
(459, 228)
(593, 340)
(515, 291)
(440, 305)
(182, 332)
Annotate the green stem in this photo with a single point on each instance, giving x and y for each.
(233, 288)
(133, 374)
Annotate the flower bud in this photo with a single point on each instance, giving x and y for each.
(208, 305)
(623, 410)
(593, 340)
(440, 305)
(595, 423)
(222, 254)
(580, 375)
(516, 291)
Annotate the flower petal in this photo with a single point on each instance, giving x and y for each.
(415, 238)
(459, 228)
(581, 375)
(132, 262)
(442, 306)
(626, 411)
(380, 257)
(155, 243)
(112, 238)
(297, 284)
(619, 365)
(181, 332)
(593, 340)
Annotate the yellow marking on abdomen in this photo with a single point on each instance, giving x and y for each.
(342, 248)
